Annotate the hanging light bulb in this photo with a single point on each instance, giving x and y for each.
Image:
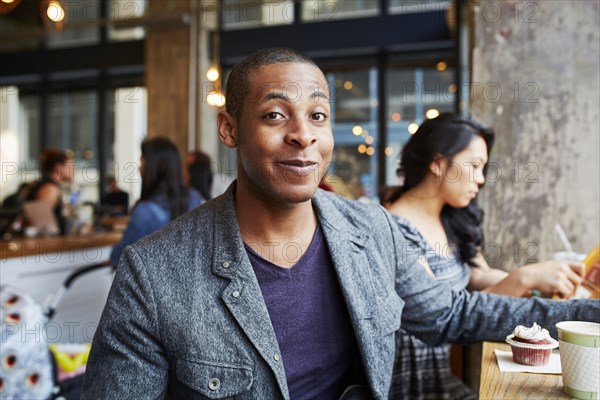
(6, 6)
(55, 12)
(216, 99)
(212, 74)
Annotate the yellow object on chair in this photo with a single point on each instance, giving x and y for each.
(70, 357)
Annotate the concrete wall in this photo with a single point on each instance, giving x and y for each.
(535, 79)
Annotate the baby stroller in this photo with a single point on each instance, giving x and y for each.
(32, 369)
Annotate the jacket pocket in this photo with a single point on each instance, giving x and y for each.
(214, 380)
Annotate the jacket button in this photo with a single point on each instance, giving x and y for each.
(214, 384)
(225, 264)
(235, 294)
(276, 357)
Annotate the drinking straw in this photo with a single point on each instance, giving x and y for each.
(564, 239)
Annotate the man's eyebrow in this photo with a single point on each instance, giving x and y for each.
(276, 96)
(282, 96)
(318, 93)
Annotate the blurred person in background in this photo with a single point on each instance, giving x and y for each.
(115, 200)
(443, 166)
(164, 195)
(198, 163)
(56, 169)
(200, 174)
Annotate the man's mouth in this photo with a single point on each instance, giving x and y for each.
(299, 167)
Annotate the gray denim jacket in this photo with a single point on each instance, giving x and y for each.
(185, 316)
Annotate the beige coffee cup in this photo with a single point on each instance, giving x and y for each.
(580, 358)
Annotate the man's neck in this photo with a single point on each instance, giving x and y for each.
(270, 226)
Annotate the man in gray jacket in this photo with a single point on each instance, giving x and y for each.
(277, 290)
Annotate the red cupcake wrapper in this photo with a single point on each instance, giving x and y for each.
(529, 353)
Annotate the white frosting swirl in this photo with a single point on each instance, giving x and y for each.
(536, 332)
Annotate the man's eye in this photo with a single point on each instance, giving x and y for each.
(319, 116)
(273, 115)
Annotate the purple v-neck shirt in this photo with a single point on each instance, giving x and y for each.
(310, 319)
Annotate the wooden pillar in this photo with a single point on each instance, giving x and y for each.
(167, 71)
(535, 80)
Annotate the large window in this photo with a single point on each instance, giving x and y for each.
(329, 10)
(80, 24)
(242, 14)
(414, 6)
(124, 10)
(355, 129)
(416, 91)
(73, 123)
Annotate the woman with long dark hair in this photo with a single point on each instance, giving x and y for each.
(164, 196)
(443, 166)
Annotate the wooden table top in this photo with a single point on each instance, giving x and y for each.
(24, 247)
(515, 385)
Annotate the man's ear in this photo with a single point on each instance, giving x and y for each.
(227, 127)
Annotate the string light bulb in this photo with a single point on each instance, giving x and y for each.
(216, 99)
(213, 74)
(55, 11)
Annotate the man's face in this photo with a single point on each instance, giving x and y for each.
(283, 137)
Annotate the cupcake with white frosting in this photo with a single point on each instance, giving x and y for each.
(531, 346)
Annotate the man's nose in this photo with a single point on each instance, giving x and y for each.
(301, 133)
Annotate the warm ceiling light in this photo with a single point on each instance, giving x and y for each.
(348, 85)
(6, 6)
(216, 99)
(369, 140)
(370, 151)
(441, 66)
(362, 149)
(55, 12)
(432, 113)
(388, 151)
(212, 74)
(357, 130)
(412, 128)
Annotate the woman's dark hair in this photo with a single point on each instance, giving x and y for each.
(201, 175)
(49, 159)
(444, 137)
(162, 176)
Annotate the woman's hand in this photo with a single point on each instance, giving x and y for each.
(553, 277)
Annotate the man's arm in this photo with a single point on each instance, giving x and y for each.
(437, 314)
(127, 360)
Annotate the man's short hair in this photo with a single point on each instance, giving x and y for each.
(50, 158)
(238, 85)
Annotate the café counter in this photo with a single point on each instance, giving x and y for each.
(40, 265)
(25, 247)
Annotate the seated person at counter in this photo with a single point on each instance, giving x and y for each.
(115, 201)
(443, 167)
(164, 195)
(200, 174)
(278, 289)
(56, 169)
